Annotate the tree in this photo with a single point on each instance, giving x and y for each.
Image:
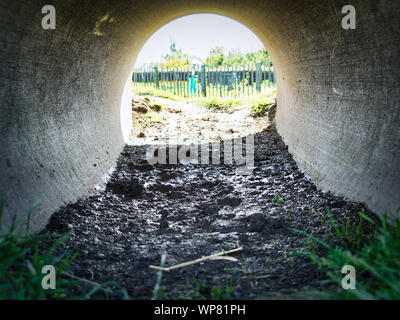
(234, 58)
(262, 56)
(175, 58)
(216, 57)
(258, 56)
(250, 58)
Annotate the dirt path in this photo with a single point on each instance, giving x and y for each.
(190, 211)
(184, 123)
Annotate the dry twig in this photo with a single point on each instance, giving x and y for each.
(217, 256)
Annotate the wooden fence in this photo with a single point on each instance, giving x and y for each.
(203, 81)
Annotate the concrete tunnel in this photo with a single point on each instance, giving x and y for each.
(63, 92)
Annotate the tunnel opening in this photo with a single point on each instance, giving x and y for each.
(216, 75)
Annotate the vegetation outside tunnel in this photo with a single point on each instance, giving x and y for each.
(220, 75)
(258, 103)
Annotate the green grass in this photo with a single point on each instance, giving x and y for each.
(259, 103)
(156, 107)
(260, 109)
(276, 199)
(142, 90)
(373, 248)
(217, 103)
(151, 118)
(221, 292)
(199, 288)
(202, 291)
(23, 256)
(21, 262)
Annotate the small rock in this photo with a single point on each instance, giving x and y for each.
(141, 135)
(164, 176)
(164, 225)
(136, 188)
(176, 195)
(210, 210)
(140, 108)
(131, 165)
(230, 201)
(256, 222)
(164, 213)
(164, 188)
(174, 110)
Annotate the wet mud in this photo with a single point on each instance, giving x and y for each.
(195, 210)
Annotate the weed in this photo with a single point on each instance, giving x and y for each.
(145, 91)
(270, 260)
(21, 262)
(374, 254)
(156, 107)
(23, 256)
(218, 104)
(228, 246)
(217, 293)
(260, 109)
(290, 213)
(233, 270)
(198, 290)
(153, 118)
(210, 230)
(277, 199)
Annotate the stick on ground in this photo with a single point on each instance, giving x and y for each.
(189, 263)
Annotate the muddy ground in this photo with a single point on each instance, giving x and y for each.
(194, 210)
(183, 122)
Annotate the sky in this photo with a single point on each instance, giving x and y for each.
(196, 35)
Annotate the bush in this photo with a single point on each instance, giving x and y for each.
(218, 104)
(156, 107)
(260, 109)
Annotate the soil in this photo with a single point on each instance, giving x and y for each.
(195, 210)
(182, 122)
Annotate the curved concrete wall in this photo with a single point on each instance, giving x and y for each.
(61, 91)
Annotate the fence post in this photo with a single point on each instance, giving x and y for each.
(258, 77)
(156, 77)
(203, 80)
(273, 75)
